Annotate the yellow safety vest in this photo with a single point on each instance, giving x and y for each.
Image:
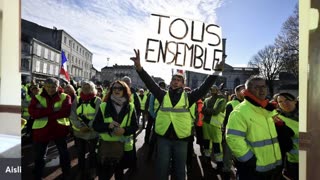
(179, 116)
(217, 120)
(25, 104)
(143, 101)
(128, 140)
(87, 110)
(233, 103)
(42, 122)
(293, 154)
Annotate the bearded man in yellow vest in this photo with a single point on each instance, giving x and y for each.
(174, 121)
(50, 110)
(213, 111)
(252, 136)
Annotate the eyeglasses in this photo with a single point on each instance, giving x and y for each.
(119, 88)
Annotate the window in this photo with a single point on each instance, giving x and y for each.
(65, 40)
(70, 43)
(51, 69)
(53, 56)
(38, 50)
(49, 54)
(57, 58)
(44, 70)
(46, 53)
(37, 66)
(56, 70)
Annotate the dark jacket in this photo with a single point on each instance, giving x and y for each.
(99, 125)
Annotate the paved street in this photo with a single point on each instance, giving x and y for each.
(145, 168)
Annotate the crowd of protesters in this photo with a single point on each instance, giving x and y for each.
(255, 135)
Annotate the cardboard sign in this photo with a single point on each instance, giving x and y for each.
(184, 44)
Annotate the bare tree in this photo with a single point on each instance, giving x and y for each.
(288, 41)
(270, 63)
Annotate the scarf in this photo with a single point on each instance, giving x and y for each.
(257, 102)
(86, 97)
(118, 102)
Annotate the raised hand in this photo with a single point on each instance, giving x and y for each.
(219, 66)
(136, 59)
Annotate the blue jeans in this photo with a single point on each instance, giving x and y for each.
(171, 149)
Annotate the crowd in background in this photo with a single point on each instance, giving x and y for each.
(257, 136)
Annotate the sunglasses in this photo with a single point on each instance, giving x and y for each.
(117, 88)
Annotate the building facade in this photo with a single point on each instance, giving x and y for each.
(116, 72)
(231, 77)
(79, 57)
(39, 60)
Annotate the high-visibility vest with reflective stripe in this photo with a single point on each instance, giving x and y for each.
(25, 104)
(87, 110)
(179, 116)
(217, 120)
(128, 140)
(143, 101)
(42, 122)
(293, 154)
(251, 131)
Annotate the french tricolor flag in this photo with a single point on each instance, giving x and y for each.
(63, 70)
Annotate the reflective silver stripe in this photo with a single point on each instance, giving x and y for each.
(263, 142)
(246, 157)
(268, 167)
(295, 140)
(173, 110)
(294, 151)
(236, 132)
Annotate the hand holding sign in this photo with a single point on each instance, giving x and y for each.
(219, 66)
(136, 60)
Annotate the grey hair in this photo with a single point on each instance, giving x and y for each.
(92, 86)
(52, 80)
(249, 81)
(126, 79)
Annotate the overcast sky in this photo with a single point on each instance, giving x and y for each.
(113, 28)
